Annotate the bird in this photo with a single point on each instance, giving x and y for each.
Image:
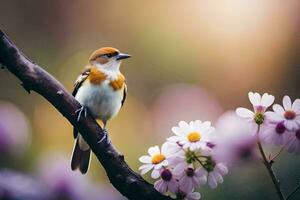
(101, 90)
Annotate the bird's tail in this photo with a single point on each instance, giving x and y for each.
(81, 156)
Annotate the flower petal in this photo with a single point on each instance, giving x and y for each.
(173, 139)
(273, 116)
(155, 174)
(206, 125)
(164, 148)
(145, 159)
(173, 186)
(254, 98)
(287, 103)
(197, 124)
(186, 184)
(278, 109)
(200, 172)
(193, 196)
(145, 168)
(219, 177)
(267, 100)
(179, 168)
(191, 124)
(185, 127)
(222, 168)
(245, 113)
(289, 125)
(296, 105)
(160, 186)
(212, 182)
(176, 130)
(153, 150)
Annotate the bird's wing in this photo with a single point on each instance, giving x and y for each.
(124, 94)
(80, 79)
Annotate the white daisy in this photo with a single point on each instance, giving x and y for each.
(274, 133)
(260, 105)
(215, 174)
(174, 146)
(156, 160)
(167, 182)
(293, 144)
(191, 178)
(192, 136)
(289, 113)
(180, 195)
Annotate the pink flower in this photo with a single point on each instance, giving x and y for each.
(14, 130)
(167, 182)
(293, 144)
(289, 114)
(216, 176)
(191, 178)
(235, 141)
(274, 133)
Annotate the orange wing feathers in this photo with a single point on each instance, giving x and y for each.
(96, 77)
(118, 83)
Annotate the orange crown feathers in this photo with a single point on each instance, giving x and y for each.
(104, 51)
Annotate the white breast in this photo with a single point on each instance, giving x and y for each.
(102, 101)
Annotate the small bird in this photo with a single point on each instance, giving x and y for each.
(101, 91)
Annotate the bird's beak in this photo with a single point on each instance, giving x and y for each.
(122, 56)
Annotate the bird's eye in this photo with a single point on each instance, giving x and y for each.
(106, 56)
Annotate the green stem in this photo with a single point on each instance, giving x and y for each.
(272, 159)
(200, 162)
(268, 166)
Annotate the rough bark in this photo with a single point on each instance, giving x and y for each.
(34, 78)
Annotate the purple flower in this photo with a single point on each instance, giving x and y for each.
(14, 129)
(236, 141)
(191, 179)
(293, 142)
(167, 182)
(14, 185)
(274, 133)
(289, 113)
(63, 183)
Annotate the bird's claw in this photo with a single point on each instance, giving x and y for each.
(80, 110)
(105, 133)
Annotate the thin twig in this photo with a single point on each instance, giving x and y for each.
(268, 166)
(293, 192)
(200, 162)
(272, 159)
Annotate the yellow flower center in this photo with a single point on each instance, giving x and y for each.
(158, 158)
(194, 137)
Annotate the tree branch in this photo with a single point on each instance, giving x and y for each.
(34, 78)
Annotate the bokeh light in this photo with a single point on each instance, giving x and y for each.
(190, 60)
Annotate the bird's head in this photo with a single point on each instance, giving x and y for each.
(107, 58)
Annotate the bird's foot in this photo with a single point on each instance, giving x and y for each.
(82, 110)
(104, 137)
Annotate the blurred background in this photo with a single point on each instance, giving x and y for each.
(190, 60)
